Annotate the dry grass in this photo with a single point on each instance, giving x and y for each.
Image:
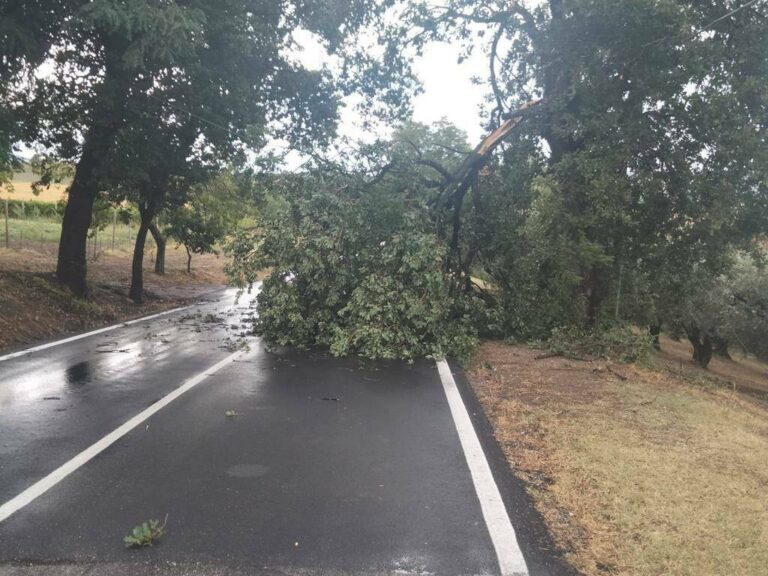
(645, 476)
(742, 372)
(21, 189)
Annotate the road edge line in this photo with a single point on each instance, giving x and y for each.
(503, 537)
(42, 486)
(91, 333)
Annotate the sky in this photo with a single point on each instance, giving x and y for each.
(448, 91)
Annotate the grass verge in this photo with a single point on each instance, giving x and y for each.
(636, 471)
(34, 308)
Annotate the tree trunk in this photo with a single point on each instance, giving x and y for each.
(720, 347)
(702, 345)
(189, 260)
(136, 292)
(655, 330)
(71, 269)
(160, 242)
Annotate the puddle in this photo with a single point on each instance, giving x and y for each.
(79, 374)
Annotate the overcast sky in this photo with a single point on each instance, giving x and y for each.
(448, 91)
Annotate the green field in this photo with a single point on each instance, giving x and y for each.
(36, 233)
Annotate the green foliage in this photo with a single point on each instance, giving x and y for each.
(355, 267)
(746, 292)
(197, 230)
(103, 214)
(621, 197)
(127, 213)
(35, 209)
(402, 306)
(151, 97)
(211, 212)
(27, 29)
(616, 343)
(645, 161)
(49, 171)
(145, 534)
(730, 307)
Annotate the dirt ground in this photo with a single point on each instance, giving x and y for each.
(641, 471)
(33, 308)
(741, 373)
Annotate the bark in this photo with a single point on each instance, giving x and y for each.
(592, 290)
(189, 260)
(720, 347)
(71, 268)
(136, 291)
(160, 241)
(702, 345)
(457, 184)
(655, 330)
(454, 251)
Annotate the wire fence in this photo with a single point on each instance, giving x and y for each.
(30, 230)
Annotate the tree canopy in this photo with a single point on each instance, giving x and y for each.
(622, 178)
(625, 157)
(220, 76)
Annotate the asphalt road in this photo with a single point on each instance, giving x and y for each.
(327, 466)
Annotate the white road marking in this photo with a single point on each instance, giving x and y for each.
(511, 561)
(42, 486)
(93, 333)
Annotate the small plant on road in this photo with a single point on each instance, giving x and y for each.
(145, 534)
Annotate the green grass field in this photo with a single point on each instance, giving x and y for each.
(33, 233)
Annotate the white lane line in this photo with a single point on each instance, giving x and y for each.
(42, 486)
(511, 561)
(93, 333)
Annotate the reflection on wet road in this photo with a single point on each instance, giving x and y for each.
(260, 459)
(70, 393)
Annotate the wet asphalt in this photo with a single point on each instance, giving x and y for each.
(323, 465)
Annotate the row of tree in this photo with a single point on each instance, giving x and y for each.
(210, 211)
(624, 168)
(149, 98)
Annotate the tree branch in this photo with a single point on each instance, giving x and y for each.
(444, 172)
(466, 174)
(492, 66)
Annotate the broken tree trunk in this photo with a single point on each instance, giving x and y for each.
(456, 186)
(467, 172)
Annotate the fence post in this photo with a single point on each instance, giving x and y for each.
(7, 234)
